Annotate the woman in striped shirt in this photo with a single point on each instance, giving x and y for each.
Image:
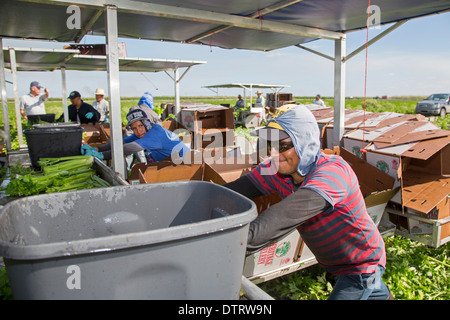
(322, 199)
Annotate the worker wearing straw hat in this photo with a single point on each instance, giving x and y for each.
(101, 105)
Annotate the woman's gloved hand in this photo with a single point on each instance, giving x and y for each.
(95, 153)
(89, 115)
(85, 148)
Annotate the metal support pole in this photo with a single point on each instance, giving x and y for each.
(176, 79)
(64, 94)
(339, 91)
(12, 59)
(112, 57)
(375, 39)
(4, 98)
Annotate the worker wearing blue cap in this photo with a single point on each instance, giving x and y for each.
(33, 102)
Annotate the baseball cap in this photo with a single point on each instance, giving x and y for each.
(273, 131)
(136, 115)
(35, 84)
(74, 94)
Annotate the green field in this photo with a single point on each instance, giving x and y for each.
(397, 104)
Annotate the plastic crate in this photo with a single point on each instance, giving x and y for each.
(175, 240)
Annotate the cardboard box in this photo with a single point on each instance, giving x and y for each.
(352, 120)
(426, 195)
(278, 254)
(198, 118)
(94, 135)
(232, 170)
(415, 228)
(376, 186)
(195, 166)
(212, 126)
(412, 144)
(183, 133)
(213, 138)
(419, 227)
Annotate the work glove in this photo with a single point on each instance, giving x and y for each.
(89, 115)
(94, 153)
(85, 148)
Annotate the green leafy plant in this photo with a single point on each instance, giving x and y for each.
(5, 289)
(312, 283)
(413, 272)
(58, 174)
(417, 272)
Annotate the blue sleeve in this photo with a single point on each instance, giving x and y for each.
(130, 138)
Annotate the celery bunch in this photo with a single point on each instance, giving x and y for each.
(72, 163)
(58, 174)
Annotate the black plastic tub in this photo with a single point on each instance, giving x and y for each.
(36, 118)
(53, 143)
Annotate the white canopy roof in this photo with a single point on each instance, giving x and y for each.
(249, 24)
(246, 85)
(34, 59)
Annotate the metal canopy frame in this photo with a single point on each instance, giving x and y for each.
(41, 59)
(253, 24)
(246, 86)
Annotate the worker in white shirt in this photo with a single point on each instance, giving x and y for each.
(319, 101)
(101, 105)
(33, 102)
(260, 100)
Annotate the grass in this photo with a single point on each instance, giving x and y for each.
(413, 272)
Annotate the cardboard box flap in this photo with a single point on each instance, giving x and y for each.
(391, 136)
(425, 149)
(414, 136)
(375, 122)
(368, 135)
(323, 113)
(203, 107)
(381, 197)
(361, 119)
(397, 117)
(165, 172)
(232, 170)
(348, 116)
(372, 180)
(423, 191)
(172, 125)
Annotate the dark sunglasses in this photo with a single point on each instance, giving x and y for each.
(279, 147)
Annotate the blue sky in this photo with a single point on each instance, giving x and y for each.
(412, 60)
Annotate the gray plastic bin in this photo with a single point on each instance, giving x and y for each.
(175, 240)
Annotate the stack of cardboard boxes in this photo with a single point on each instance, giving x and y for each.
(212, 126)
(414, 152)
(276, 100)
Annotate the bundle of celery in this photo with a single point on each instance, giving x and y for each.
(58, 174)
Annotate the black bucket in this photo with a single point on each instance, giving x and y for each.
(46, 117)
(53, 143)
